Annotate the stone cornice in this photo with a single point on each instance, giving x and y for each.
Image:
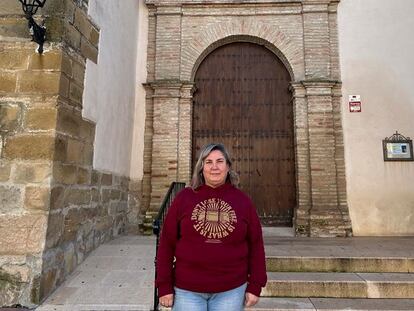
(316, 87)
(167, 83)
(319, 82)
(235, 2)
(204, 2)
(190, 7)
(183, 89)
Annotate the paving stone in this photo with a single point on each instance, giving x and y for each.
(326, 304)
(124, 250)
(106, 262)
(89, 278)
(140, 264)
(123, 278)
(112, 295)
(274, 304)
(62, 295)
(96, 307)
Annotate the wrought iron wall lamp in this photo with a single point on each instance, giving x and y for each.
(38, 32)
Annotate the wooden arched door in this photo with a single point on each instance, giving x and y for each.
(242, 99)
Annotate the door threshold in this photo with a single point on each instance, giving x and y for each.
(278, 232)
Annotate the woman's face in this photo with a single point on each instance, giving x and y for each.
(215, 169)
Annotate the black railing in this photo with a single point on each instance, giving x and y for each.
(175, 187)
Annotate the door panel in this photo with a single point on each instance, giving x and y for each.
(243, 101)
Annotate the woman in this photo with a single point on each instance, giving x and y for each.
(211, 254)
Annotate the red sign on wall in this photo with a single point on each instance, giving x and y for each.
(354, 103)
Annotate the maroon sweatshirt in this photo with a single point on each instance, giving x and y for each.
(216, 238)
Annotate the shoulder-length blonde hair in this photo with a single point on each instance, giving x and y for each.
(198, 177)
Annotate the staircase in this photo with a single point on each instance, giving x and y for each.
(339, 274)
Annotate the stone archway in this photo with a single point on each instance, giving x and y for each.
(182, 34)
(242, 99)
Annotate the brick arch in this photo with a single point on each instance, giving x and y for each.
(242, 38)
(273, 38)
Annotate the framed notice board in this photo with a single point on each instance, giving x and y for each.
(398, 148)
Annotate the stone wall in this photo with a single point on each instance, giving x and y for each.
(303, 34)
(27, 154)
(54, 207)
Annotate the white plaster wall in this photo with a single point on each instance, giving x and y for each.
(137, 155)
(110, 96)
(376, 53)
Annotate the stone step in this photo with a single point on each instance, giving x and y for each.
(339, 285)
(278, 232)
(332, 304)
(328, 304)
(339, 264)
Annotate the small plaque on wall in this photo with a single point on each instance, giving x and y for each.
(398, 148)
(354, 103)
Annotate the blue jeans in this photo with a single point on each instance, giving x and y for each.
(231, 300)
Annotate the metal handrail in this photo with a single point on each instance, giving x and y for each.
(175, 187)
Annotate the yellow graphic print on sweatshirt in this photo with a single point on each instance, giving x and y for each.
(214, 219)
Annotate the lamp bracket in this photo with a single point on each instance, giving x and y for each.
(38, 32)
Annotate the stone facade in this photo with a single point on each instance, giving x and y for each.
(303, 34)
(54, 207)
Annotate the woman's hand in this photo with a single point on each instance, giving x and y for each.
(167, 300)
(250, 300)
